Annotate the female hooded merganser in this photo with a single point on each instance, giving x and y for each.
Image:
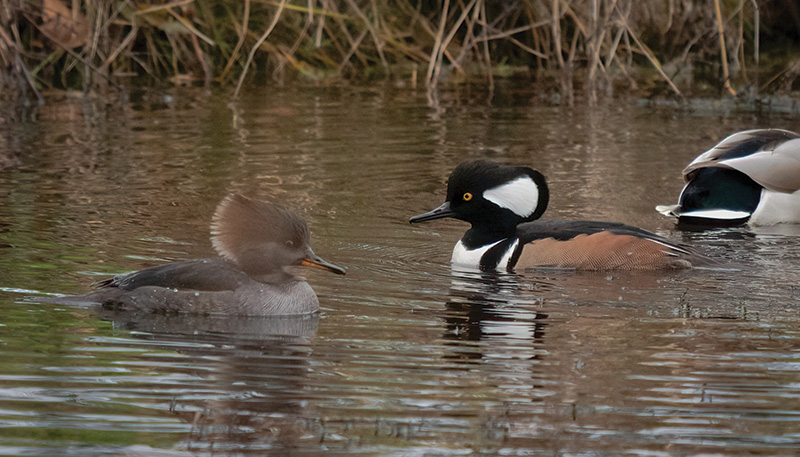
(502, 202)
(255, 241)
(750, 177)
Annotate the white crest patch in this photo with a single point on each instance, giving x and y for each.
(520, 196)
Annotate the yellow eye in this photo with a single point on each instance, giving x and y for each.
(467, 197)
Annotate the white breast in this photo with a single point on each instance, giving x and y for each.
(776, 207)
(471, 258)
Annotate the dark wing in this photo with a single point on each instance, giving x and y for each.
(199, 274)
(566, 230)
(740, 145)
(769, 157)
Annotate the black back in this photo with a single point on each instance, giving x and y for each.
(566, 230)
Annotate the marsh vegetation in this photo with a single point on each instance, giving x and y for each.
(586, 48)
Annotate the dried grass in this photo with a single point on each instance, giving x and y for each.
(596, 45)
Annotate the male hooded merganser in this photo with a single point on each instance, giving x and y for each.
(255, 241)
(502, 202)
(750, 177)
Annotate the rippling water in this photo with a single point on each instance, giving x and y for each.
(407, 358)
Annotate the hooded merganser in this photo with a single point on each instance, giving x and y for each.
(750, 177)
(255, 241)
(502, 202)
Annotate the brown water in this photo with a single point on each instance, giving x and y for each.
(406, 358)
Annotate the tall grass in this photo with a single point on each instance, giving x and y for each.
(584, 47)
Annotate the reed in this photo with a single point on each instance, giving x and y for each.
(583, 47)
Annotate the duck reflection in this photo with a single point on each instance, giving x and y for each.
(196, 325)
(244, 376)
(492, 305)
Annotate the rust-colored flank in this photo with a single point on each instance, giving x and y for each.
(602, 251)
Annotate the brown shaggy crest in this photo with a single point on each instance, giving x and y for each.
(239, 223)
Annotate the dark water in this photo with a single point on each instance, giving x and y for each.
(406, 358)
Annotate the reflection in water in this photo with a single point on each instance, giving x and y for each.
(304, 326)
(251, 373)
(495, 326)
(407, 357)
(491, 304)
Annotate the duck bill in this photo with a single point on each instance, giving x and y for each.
(314, 261)
(438, 213)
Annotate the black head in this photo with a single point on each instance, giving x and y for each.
(714, 189)
(262, 238)
(486, 193)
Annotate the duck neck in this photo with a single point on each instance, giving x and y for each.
(483, 235)
(275, 277)
(486, 251)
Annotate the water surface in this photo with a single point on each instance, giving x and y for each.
(407, 358)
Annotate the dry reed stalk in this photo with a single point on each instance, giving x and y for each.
(723, 52)
(239, 43)
(163, 7)
(446, 42)
(190, 27)
(596, 62)
(468, 43)
(486, 53)
(556, 33)
(353, 50)
(437, 45)
(416, 52)
(12, 54)
(593, 49)
(588, 42)
(738, 56)
(649, 55)
(756, 48)
(289, 54)
(261, 40)
(372, 31)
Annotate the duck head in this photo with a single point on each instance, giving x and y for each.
(262, 239)
(486, 193)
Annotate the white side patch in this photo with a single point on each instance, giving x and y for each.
(463, 257)
(721, 214)
(520, 196)
(776, 207)
(503, 265)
